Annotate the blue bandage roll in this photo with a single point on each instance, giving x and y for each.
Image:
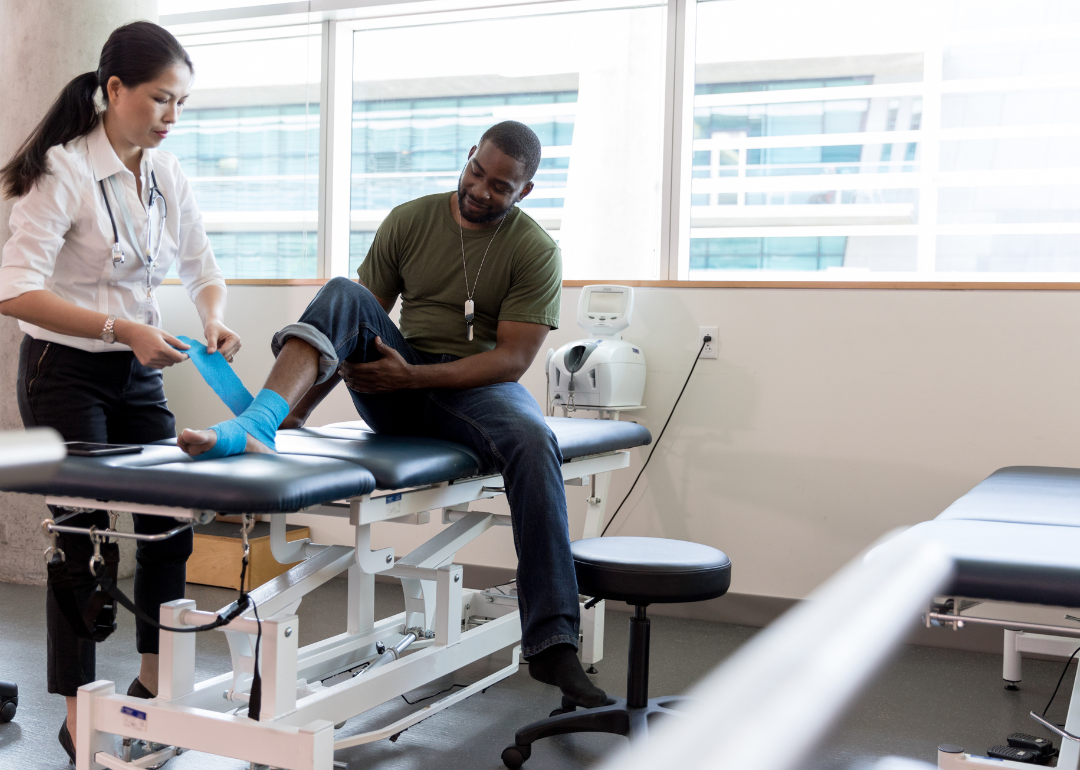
(258, 417)
(220, 376)
(260, 421)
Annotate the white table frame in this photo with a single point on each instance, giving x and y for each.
(455, 626)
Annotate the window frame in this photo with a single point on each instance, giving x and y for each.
(340, 19)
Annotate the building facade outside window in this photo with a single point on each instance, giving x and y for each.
(249, 144)
(927, 144)
(849, 139)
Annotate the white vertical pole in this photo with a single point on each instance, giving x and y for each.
(176, 652)
(322, 245)
(278, 666)
(678, 139)
(88, 741)
(597, 505)
(336, 149)
(1011, 661)
(448, 605)
(1069, 758)
(361, 601)
(592, 633)
(929, 129)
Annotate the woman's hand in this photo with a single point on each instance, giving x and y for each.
(220, 337)
(152, 346)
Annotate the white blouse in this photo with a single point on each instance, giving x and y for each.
(62, 239)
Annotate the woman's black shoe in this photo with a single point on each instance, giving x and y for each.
(138, 690)
(66, 742)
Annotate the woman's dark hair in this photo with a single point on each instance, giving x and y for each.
(136, 53)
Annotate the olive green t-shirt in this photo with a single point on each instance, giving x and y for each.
(417, 254)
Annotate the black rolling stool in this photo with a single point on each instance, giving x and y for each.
(639, 571)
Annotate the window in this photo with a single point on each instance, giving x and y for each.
(689, 139)
(931, 143)
(406, 148)
(249, 145)
(593, 93)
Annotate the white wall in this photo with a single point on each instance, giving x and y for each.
(831, 416)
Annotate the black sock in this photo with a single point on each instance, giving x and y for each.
(559, 665)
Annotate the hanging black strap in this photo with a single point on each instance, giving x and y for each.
(97, 619)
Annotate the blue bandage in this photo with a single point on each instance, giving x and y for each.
(260, 421)
(219, 375)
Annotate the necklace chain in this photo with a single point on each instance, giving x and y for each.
(464, 267)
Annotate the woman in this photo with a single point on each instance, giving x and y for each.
(102, 215)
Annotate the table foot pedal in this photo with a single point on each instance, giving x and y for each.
(1012, 753)
(1043, 748)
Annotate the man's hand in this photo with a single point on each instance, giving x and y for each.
(221, 338)
(392, 372)
(153, 347)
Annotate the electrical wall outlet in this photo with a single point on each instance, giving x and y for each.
(711, 347)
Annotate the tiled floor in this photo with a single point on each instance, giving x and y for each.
(926, 696)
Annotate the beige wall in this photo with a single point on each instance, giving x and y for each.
(830, 417)
(38, 57)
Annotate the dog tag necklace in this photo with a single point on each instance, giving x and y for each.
(470, 306)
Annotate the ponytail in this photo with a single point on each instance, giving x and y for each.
(72, 115)
(135, 53)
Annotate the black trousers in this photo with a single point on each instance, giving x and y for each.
(105, 398)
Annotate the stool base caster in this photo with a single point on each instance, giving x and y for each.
(566, 707)
(9, 701)
(514, 756)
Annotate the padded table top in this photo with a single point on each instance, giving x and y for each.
(1024, 495)
(315, 465)
(1008, 562)
(247, 483)
(399, 461)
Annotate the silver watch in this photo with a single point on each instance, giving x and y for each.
(107, 334)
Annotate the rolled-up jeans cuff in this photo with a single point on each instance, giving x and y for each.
(328, 360)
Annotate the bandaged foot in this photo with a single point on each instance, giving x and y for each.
(252, 431)
(559, 665)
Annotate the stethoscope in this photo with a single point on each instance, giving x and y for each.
(155, 196)
(150, 261)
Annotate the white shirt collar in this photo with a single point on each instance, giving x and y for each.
(103, 157)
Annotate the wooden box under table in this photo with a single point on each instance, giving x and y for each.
(218, 554)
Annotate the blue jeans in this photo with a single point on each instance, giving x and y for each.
(501, 423)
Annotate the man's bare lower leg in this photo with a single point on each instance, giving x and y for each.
(293, 374)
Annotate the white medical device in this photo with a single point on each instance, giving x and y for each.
(603, 371)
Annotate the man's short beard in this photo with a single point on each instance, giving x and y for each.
(483, 219)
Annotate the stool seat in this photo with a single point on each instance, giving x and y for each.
(650, 570)
(639, 571)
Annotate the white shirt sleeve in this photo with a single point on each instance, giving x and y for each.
(195, 262)
(39, 221)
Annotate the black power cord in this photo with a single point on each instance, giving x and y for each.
(1060, 679)
(705, 341)
(433, 695)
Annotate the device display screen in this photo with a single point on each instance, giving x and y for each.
(606, 301)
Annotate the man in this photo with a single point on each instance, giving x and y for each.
(480, 284)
